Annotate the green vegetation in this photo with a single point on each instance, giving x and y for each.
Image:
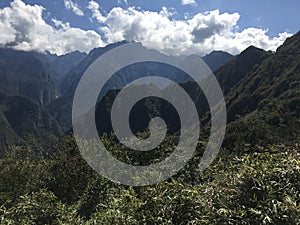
(254, 180)
(260, 186)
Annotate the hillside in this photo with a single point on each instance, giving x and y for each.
(22, 118)
(61, 107)
(228, 77)
(59, 66)
(266, 103)
(23, 74)
(28, 83)
(253, 180)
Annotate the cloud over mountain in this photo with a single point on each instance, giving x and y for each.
(23, 27)
(200, 34)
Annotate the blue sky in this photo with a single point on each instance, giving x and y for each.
(235, 21)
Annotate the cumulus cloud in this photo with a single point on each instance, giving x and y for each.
(200, 34)
(94, 7)
(189, 2)
(205, 26)
(22, 27)
(74, 7)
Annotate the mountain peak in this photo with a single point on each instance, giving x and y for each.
(102, 50)
(291, 45)
(252, 50)
(216, 59)
(235, 70)
(252, 55)
(217, 52)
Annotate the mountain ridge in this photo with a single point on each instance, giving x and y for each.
(250, 81)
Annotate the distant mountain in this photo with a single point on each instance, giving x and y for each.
(23, 74)
(259, 87)
(262, 95)
(21, 117)
(59, 66)
(33, 69)
(61, 108)
(70, 81)
(27, 85)
(228, 76)
(217, 59)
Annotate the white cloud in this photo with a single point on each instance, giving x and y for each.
(94, 7)
(167, 12)
(189, 2)
(200, 34)
(22, 27)
(74, 7)
(123, 1)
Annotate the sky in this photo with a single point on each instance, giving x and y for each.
(175, 27)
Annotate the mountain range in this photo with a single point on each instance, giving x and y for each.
(261, 89)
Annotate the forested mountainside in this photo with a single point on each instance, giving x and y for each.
(229, 76)
(265, 106)
(49, 81)
(21, 118)
(254, 179)
(61, 107)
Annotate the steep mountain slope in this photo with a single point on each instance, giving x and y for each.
(266, 103)
(8, 137)
(236, 69)
(70, 81)
(61, 108)
(20, 118)
(262, 95)
(22, 73)
(59, 66)
(228, 76)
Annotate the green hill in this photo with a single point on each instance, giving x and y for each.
(265, 105)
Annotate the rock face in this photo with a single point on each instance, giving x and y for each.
(23, 74)
(28, 83)
(59, 66)
(20, 118)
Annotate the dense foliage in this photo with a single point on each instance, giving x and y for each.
(260, 186)
(254, 180)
